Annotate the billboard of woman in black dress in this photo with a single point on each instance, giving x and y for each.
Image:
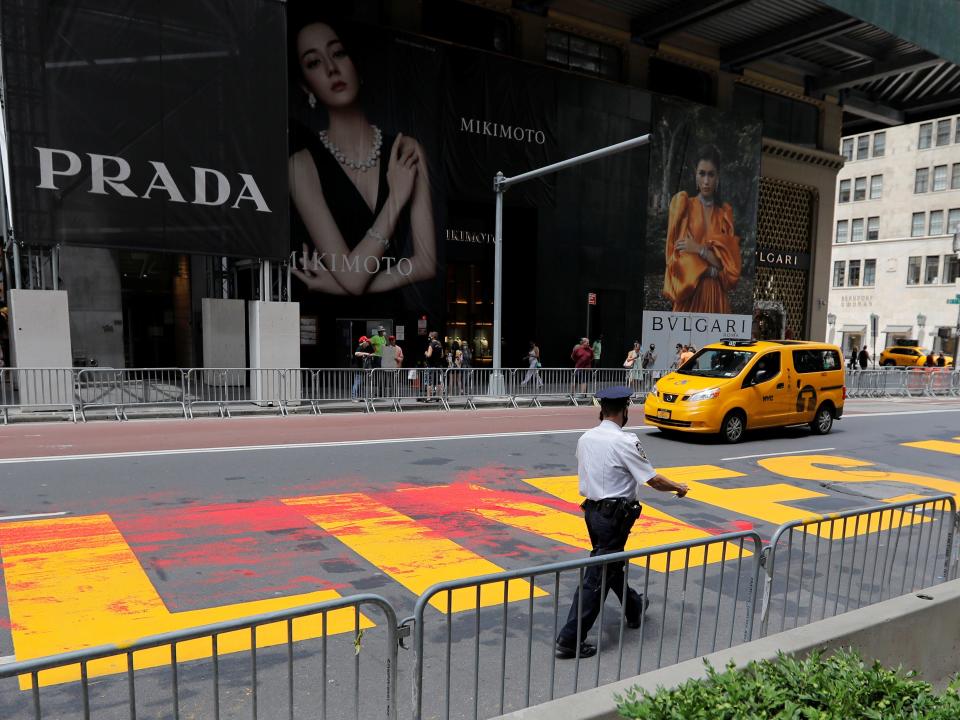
(363, 195)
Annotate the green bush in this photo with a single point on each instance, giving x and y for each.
(840, 687)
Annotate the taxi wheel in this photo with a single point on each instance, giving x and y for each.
(733, 426)
(887, 363)
(823, 420)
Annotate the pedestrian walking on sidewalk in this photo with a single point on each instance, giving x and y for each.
(533, 365)
(611, 466)
(863, 358)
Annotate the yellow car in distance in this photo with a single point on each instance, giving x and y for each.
(907, 356)
(733, 386)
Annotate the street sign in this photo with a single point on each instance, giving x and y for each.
(591, 298)
(954, 301)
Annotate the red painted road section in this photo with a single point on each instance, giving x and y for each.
(43, 440)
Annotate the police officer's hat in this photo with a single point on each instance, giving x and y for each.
(617, 392)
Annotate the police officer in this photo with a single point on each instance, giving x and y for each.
(611, 465)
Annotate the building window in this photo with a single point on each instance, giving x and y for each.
(918, 224)
(873, 228)
(588, 56)
(936, 222)
(913, 271)
(931, 270)
(879, 144)
(847, 149)
(856, 230)
(838, 269)
(955, 174)
(956, 137)
(943, 132)
(863, 147)
(844, 191)
(860, 189)
(939, 178)
(953, 220)
(926, 135)
(853, 277)
(869, 273)
(951, 269)
(920, 180)
(876, 187)
(841, 231)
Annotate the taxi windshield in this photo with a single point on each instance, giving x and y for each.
(716, 363)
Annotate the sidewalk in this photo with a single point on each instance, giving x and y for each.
(44, 439)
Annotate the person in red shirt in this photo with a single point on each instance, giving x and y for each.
(582, 357)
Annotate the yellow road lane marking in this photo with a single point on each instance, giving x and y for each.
(807, 467)
(74, 583)
(765, 502)
(653, 528)
(943, 446)
(408, 551)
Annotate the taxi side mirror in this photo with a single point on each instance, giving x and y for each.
(760, 376)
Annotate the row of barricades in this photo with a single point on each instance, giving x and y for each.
(903, 382)
(224, 389)
(483, 646)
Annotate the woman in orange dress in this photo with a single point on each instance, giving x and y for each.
(703, 252)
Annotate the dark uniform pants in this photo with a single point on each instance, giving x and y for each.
(608, 530)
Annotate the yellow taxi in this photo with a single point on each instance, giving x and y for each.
(908, 356)
(733, 386)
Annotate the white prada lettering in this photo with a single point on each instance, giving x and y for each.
(47, 173)
(113, 175)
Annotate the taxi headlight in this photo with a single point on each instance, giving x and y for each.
(654, 392)
(705, 395)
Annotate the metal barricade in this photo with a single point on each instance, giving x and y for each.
(642, 382)
(955, 383)
(939, 382)
(37, 389)
(397, 387)
(889, 544)
(298, 663)
(300, 389)
(468, 386)
(536, 384)
(461, 662)
(226, 387)
(915, 381)
(119, 389)
(606, 377)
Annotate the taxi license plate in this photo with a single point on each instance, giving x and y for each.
(664, 414)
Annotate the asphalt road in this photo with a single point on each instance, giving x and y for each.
(189, 516)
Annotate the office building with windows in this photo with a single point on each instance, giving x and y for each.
(897, 209)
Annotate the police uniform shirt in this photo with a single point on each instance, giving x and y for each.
(611, 463)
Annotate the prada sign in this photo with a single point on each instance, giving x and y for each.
(112, 175)
(782, 259)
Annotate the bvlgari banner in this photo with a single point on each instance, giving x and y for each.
(701, 228)
(150, 125)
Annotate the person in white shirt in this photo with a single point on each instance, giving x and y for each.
(611, 466)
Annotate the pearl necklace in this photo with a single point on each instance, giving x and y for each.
(361, 165)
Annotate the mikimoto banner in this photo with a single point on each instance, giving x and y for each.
(149, 126)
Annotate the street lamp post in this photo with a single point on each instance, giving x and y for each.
(500, 185)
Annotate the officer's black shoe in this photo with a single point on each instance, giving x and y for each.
(565, 652)
(634, 622)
